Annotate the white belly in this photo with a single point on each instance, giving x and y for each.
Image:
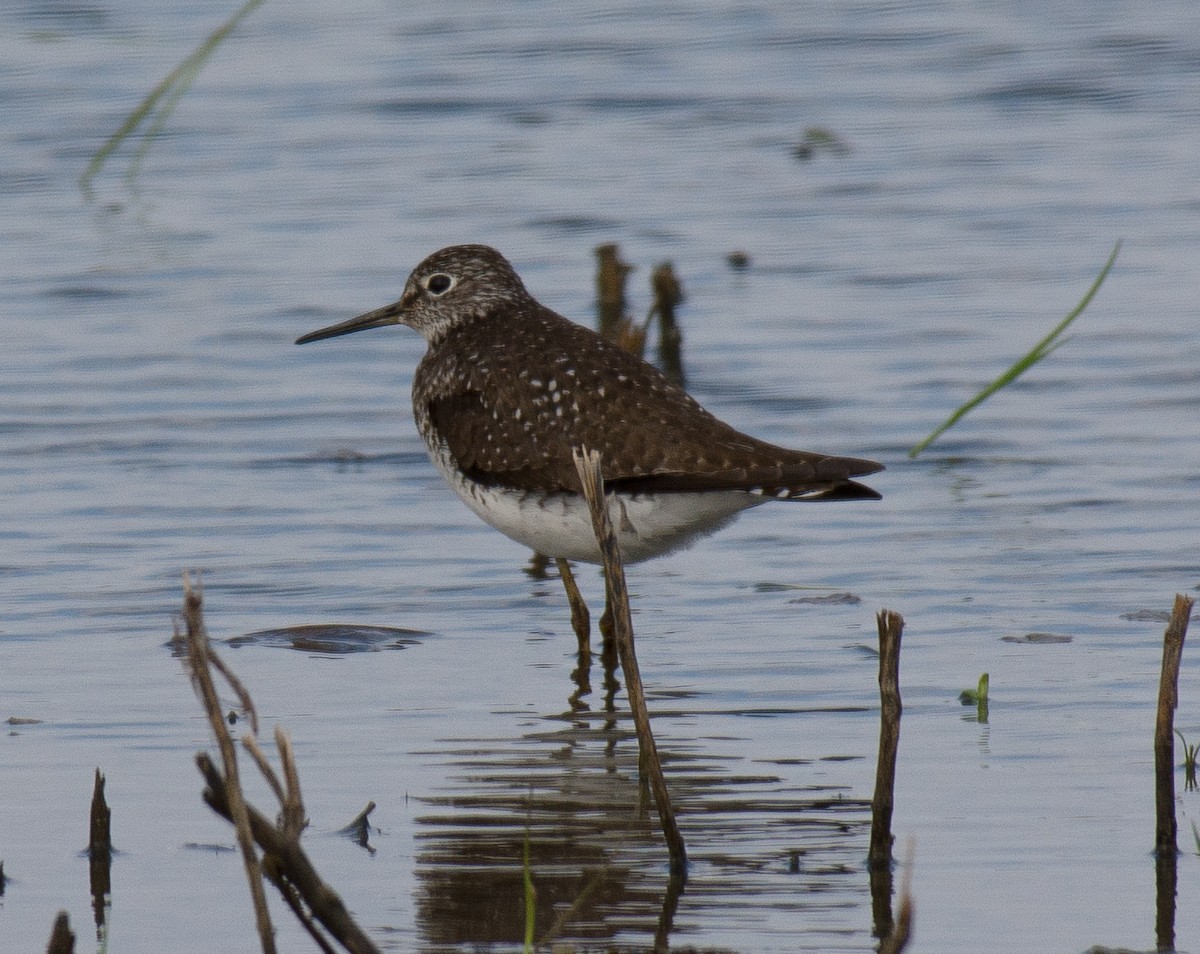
(560, 525)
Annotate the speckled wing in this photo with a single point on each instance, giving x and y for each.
(495, 449)
(652, 436)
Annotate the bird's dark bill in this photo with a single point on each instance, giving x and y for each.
(388, 315)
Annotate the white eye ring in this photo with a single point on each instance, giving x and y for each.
(438, 284)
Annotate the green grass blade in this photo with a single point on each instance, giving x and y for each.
(162, 99)
(1039, 351)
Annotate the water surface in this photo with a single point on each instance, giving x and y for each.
(155, 418)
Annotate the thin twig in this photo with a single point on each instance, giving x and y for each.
(250, 744)
(239, 690)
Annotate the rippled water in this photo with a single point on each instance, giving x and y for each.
(154, 417)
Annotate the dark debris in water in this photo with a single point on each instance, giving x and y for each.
(1151, 616)
(1039, 639)
(829, 599)
(333, 638)
(213, 847)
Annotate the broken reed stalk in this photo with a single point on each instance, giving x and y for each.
(668, 295)
(588, 464)
(611, 273)
(200, 656)
(62, 938)
(1164, 727)
(891, 625)
(100, 853)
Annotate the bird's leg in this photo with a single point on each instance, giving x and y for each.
(609, 654)
(581, 619)
(608, 631)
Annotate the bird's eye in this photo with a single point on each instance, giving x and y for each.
(438, 284)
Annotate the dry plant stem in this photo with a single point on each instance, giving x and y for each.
(1164, 728)
(239, 690)
(292, 810)
(589, 466)
(891, 625)
(581, 619)
(199, 656)
(290, 865)
(250, 744)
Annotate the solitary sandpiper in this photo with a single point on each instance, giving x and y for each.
(508, 389)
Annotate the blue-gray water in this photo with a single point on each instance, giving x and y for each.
(155, 418)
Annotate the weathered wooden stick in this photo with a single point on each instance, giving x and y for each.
(588, 464)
